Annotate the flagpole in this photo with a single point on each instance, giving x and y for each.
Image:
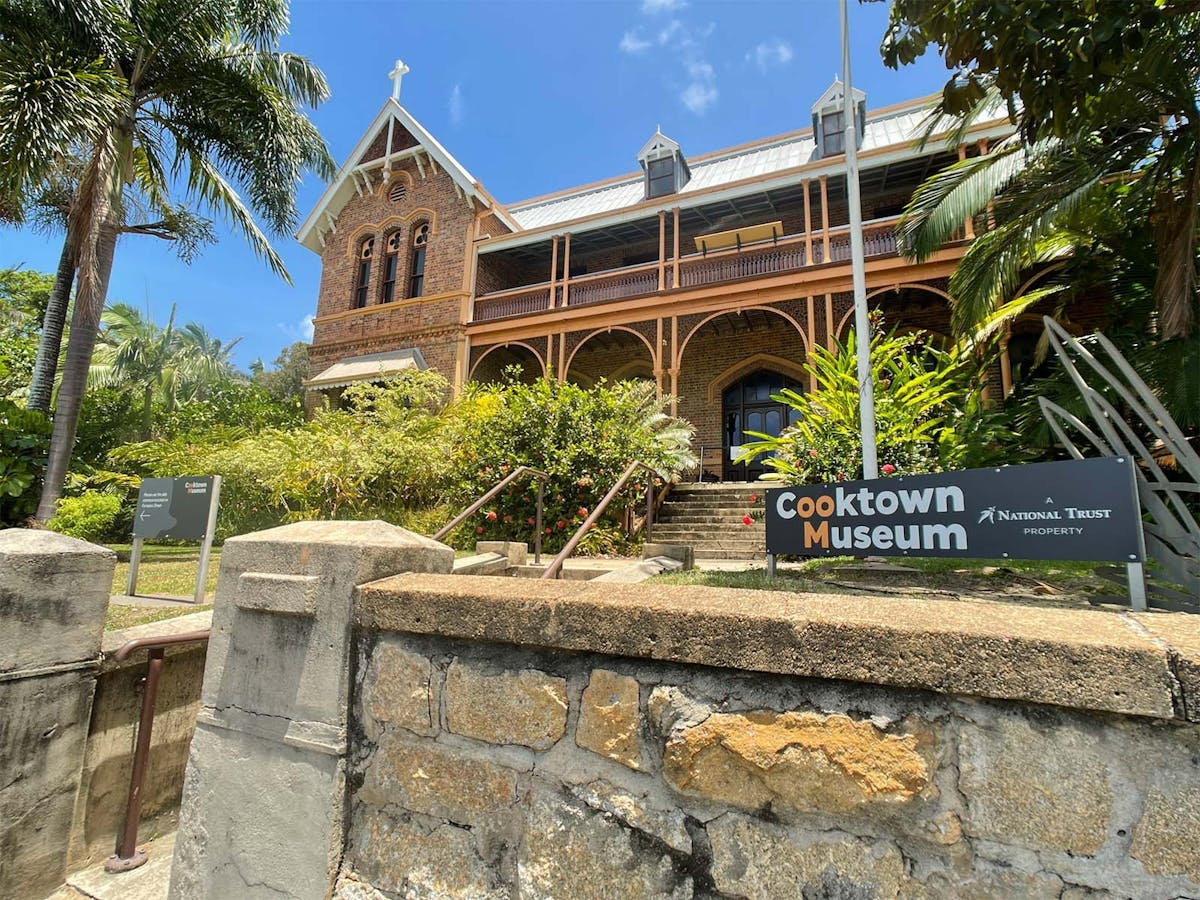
(862, 326)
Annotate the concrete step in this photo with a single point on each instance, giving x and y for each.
(696, 538)
(706, 509)
(700, 519)
(758, 554)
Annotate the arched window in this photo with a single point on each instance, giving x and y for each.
(416, 281)
(391, 266)
(362, 283)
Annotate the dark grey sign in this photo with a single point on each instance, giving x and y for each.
(1080, 509)
(173, 507)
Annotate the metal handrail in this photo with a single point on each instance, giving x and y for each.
(554, 570)
(541, 477)
(127, 855)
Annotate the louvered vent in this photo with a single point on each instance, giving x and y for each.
(398, 192)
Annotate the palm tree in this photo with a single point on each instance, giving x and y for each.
(133, 352)
(193, 93)
(207, 359)
(1139, 131)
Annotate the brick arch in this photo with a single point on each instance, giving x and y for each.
(482, 356)
(638, 335)
(771, 309)
(752, 364)
(916, 286)
(385, 184)
(421, 213)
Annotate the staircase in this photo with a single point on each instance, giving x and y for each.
(708, 517)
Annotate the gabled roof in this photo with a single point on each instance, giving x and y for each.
(833, 96)
(344, 185)
(658, 145)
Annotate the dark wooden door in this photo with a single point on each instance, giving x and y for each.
(747, 406)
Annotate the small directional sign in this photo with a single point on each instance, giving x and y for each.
(173, 507)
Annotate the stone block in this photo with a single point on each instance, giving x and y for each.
(527, 707)
(1167, 838)
(682, 553)
(424, 777)
(397, 691)
(54, 591)
(993, 883)
(409, 859)
(283, 594)
(571, 851)
(1041, 788)
(796, 761)
(666, 825)
(754, 860)
(609, 717)
(516, 552)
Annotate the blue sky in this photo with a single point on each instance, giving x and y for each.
(531, 97)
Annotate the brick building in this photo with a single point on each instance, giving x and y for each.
(710, 274)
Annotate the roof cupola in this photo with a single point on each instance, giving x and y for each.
(829, 120)
(664, 164)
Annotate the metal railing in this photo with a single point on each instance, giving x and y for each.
(505, 482)
(127, 855)
(554, 570)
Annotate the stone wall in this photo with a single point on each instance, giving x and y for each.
(537, 768)
(426, 735)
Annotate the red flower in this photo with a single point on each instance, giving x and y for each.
(531, 520)
(813, 454)
(560, 523)
(491, 516)
(479, 530)
(888, 468)
(583, 512)
(841, 477)
(754, 498)
(547, 531)
(746, 520)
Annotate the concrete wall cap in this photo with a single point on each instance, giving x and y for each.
(36, 542)
(1083, 659)
(114, 640)
(373, 532)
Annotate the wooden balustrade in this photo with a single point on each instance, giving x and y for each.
(695, 270)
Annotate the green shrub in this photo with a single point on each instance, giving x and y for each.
(582, 438)
(24, 439)
(929, 414)
(89, 517)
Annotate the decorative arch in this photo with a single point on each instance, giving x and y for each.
(422, 213)
(915, 285)
(771, 309)
(751, 364)
(654, 362)
(496, 347)
(386, 184)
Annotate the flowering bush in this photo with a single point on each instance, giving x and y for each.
(582, 438)
(929, 414)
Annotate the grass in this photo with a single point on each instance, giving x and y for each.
(165, 569)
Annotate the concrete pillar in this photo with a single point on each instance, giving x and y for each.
(54, 592)
(264, 794)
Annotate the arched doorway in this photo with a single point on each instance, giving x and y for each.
(502, 361)
(746, 406)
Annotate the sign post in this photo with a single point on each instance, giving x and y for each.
(1084, 509)
(182, 508)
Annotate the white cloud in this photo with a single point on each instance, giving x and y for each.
(650, 7)
(632, 42)
(698, 97)
(770, 53)
(299, 331)
(457, 111)
(670, 32)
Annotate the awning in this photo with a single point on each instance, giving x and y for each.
(371, 367)
(739, 237)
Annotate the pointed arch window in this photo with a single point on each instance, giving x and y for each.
(362, 281)
(391, 266)
(416, 279)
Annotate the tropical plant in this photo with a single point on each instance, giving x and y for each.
(23, 296)
(929, 414)
(1101, 94)
(24, 437)
(286, 380)
(192, 93)
(582, 438)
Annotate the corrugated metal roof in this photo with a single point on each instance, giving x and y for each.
(886, 130)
